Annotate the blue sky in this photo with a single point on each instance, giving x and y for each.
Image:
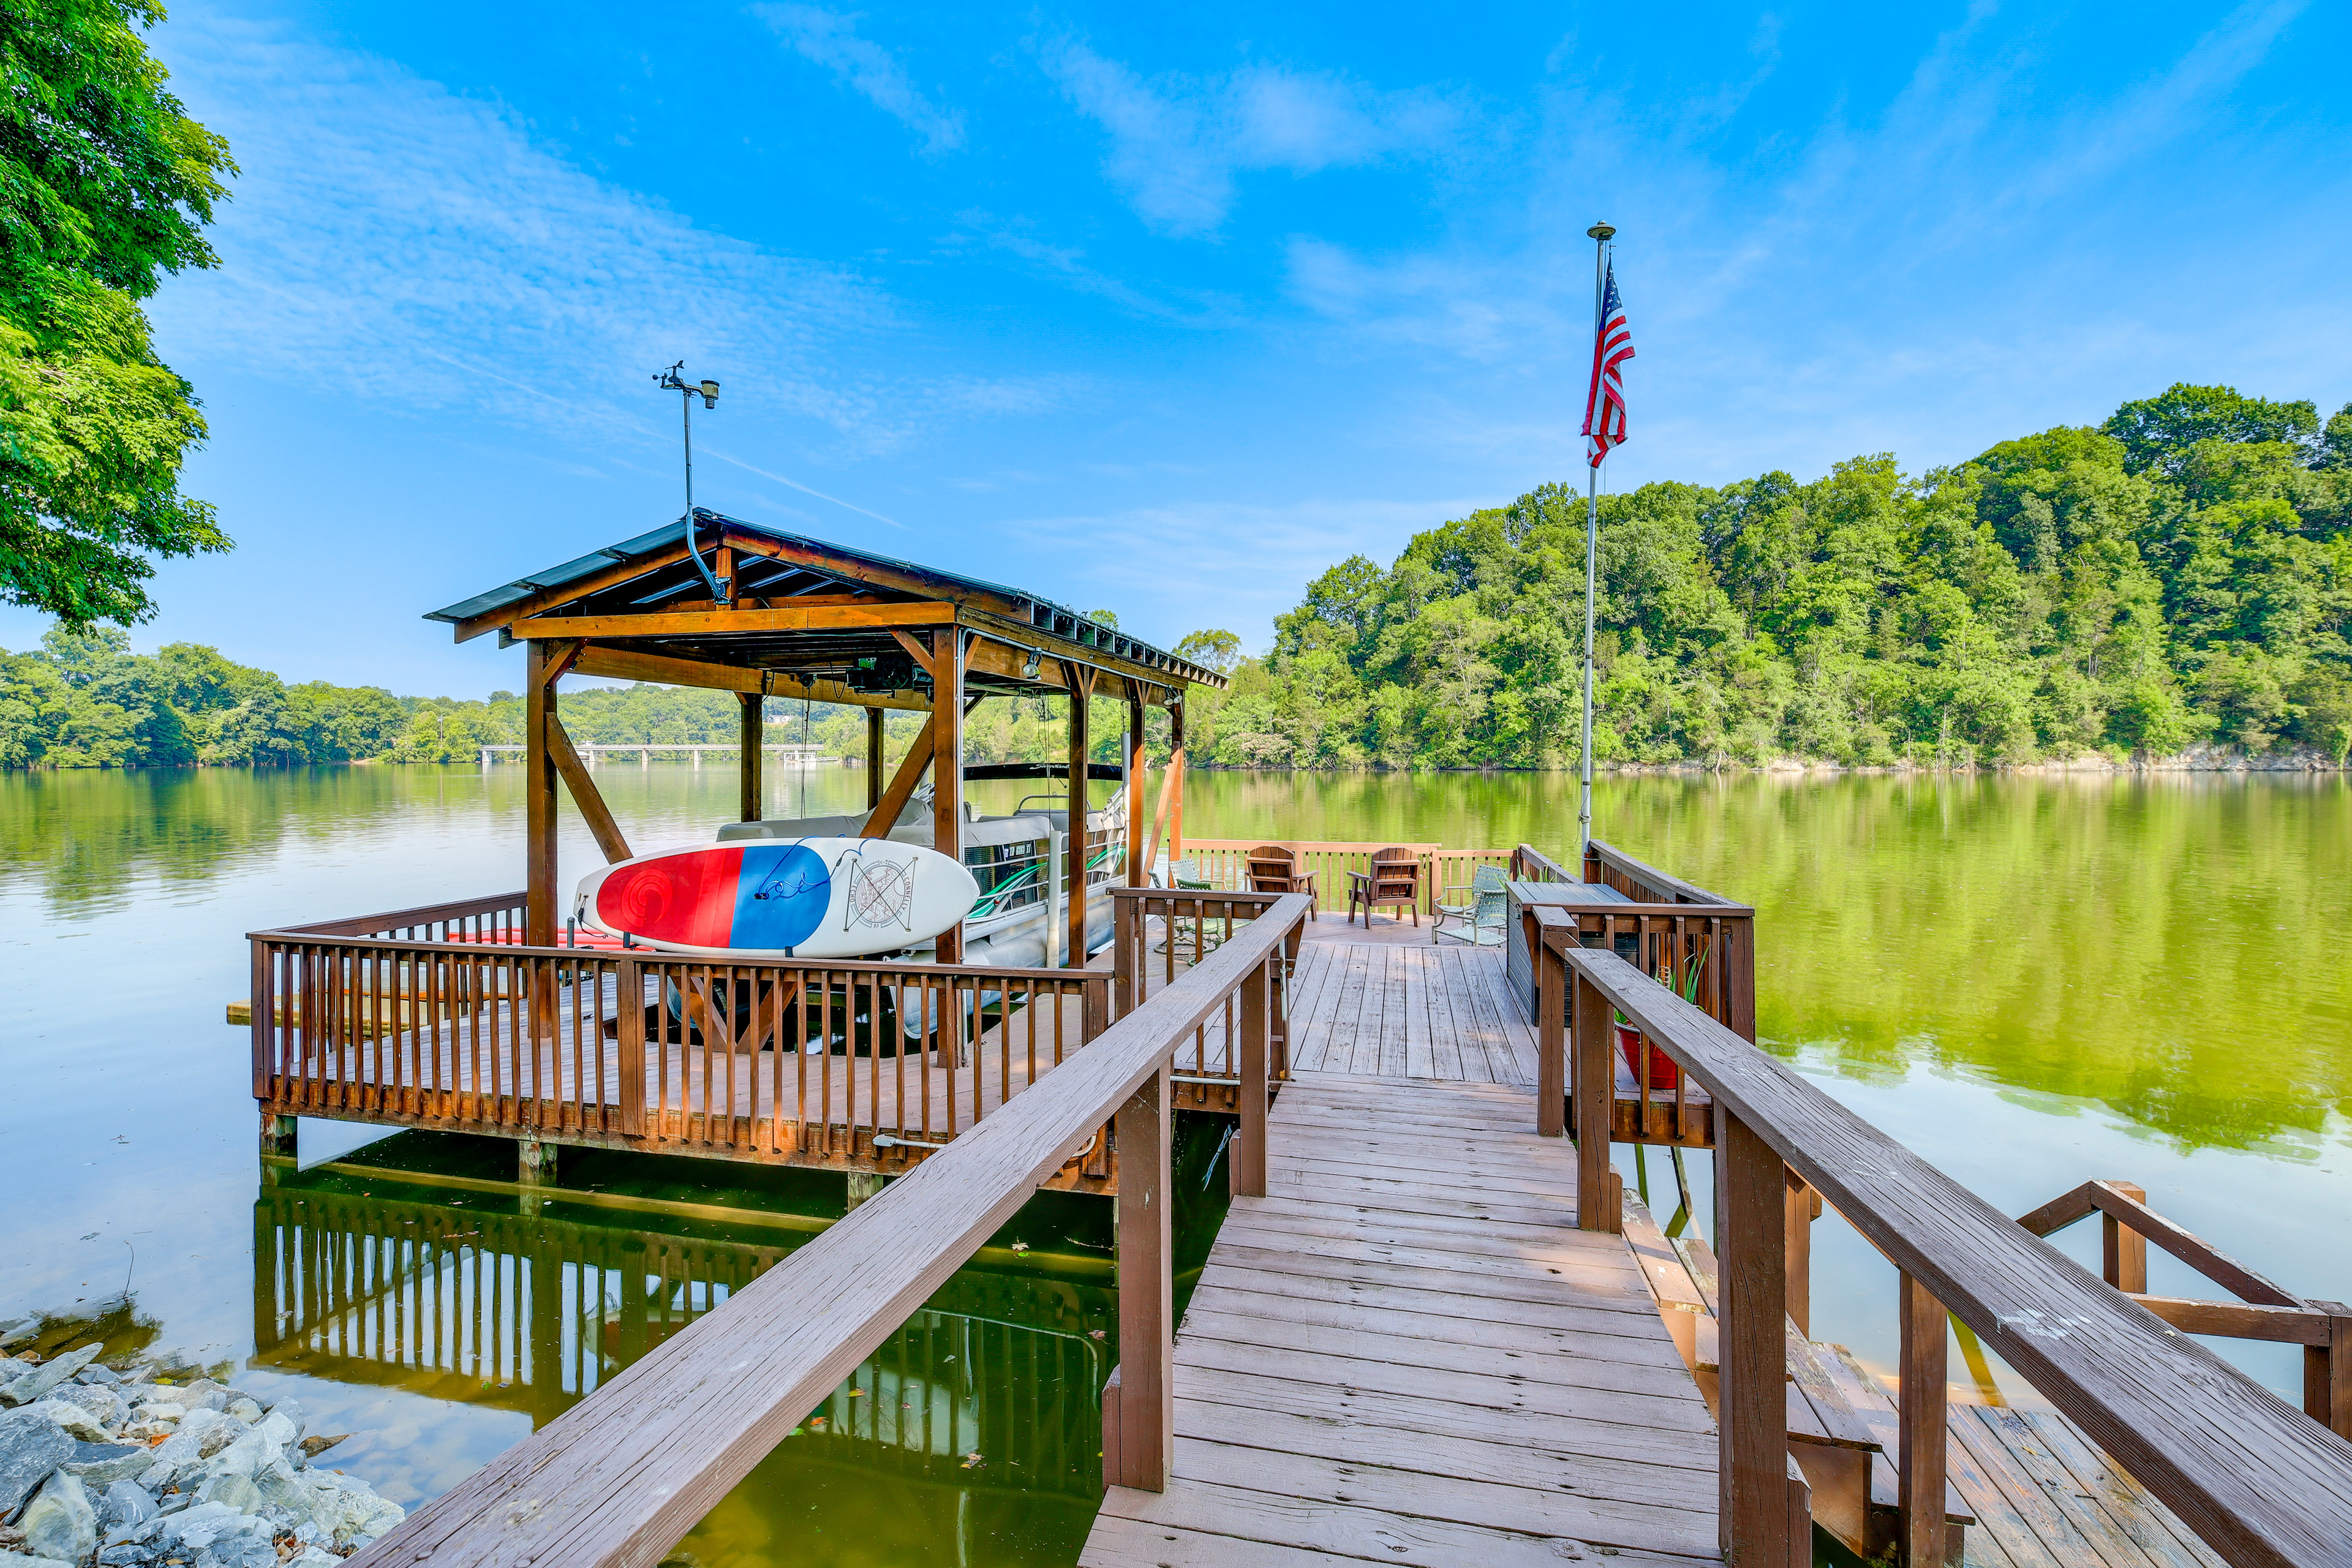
(1164, 310)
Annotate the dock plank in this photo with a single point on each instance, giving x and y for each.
(1407, 1352)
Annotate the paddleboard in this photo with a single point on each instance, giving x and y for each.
(809, 898)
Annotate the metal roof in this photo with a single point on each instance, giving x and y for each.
(824, 560)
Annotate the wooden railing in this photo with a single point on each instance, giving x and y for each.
(622, 1476)
(2258, 1481)
(1158, 935)
(440, 1018)
(2264, 1311)
(1224, 862)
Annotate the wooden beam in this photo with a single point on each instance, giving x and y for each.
(1146, 1440)
(1138, 870)
(1079, 682)
(919, 652)
(912, 768)
(613, 576)
(873, 758)
(1161, 681)
(539, 796)
(1751, 1294)
(2240, 1319)
(636, 664)
(584, 792)
(731, 623)
(947, 766)
(1920, 1455)
(1176, 780)
(752, 797)
(1797, 1211)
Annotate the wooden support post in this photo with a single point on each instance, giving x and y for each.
(1797, 1209)
(540, 893)
(1752, 1291)
(1245, 1168)
(1552, 984)
(1739, 978)
(1175, 786)
(1920, 1458)
(754, 725)
(1596, 1093)
(1145, 1437)
(2327, 1372)
(535, 1162)
(1081, 683)
(2123, 1251)
(1139, 803)
(277, 1136)
(862, 1185)
(946, 765)
(874, 718)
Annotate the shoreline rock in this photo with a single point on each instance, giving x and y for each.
(111, 1464)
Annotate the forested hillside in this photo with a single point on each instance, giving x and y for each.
(2182, 574)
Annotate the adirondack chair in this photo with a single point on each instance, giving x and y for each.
(1479, 910)
(1393, 879)
(1273, 868)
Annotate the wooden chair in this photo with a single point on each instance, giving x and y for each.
(1485, 915)
(1273, 868)
(1394, 878)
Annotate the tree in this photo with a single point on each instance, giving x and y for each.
(1217, 650)
(2157, 432)
(105, 185)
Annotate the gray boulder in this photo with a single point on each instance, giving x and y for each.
(20, 1331)
(244, 1410)
(59, 1522)
(18, 1560)
(94, 1372)
(103, 1465)
(123, 1505)
(36, 1384)
(201, 1435)
(70, 1418)
(30, 1449)
(98, 1400)
(237, 1492)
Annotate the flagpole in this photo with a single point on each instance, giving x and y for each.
(1598, 234)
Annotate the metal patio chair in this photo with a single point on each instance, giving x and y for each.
(1480, 909)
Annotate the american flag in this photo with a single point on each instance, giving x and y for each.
(1612, 345)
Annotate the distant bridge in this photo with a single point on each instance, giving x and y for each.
(792, 755)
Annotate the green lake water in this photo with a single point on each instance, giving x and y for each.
(2031, 982)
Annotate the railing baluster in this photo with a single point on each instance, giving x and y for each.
(1920, 1457)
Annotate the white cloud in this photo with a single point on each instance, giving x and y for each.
(830, 39)
(1176, 141)
(391, 239)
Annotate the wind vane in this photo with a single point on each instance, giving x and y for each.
(671, 380)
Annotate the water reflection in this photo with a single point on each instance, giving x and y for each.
(972, 1434)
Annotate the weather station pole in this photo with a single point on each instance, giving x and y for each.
(671, 380)
(1599, 233)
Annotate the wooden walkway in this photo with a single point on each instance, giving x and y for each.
(1406, 1353)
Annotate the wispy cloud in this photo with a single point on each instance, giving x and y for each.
(1176, 140)
(830, 39)
(422, 249)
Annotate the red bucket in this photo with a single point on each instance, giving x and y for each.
(1664, 1074)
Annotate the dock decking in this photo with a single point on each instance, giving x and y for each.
(1406, 1353)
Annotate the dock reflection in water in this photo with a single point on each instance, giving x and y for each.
(972, 1435)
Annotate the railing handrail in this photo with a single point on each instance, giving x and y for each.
(1528, 852)
(1617, 907)
(1642, 871)
(424, 914)
(2258, 1481)
(624, 1475)
(298, 936)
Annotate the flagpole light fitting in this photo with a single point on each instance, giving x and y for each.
(1601, 231)
(706, 390)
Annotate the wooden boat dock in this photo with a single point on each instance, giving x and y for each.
(1432, 1330)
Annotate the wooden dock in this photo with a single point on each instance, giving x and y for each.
(1381, 1364)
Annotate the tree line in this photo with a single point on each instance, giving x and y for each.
(2179, 575)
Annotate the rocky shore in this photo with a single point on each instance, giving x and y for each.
(146, 1464)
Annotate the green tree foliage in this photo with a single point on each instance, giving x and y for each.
(104, 185)
(2182, 574)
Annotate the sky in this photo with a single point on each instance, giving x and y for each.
(1164, 310)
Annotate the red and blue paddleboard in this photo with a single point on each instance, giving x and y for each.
(813, 898)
